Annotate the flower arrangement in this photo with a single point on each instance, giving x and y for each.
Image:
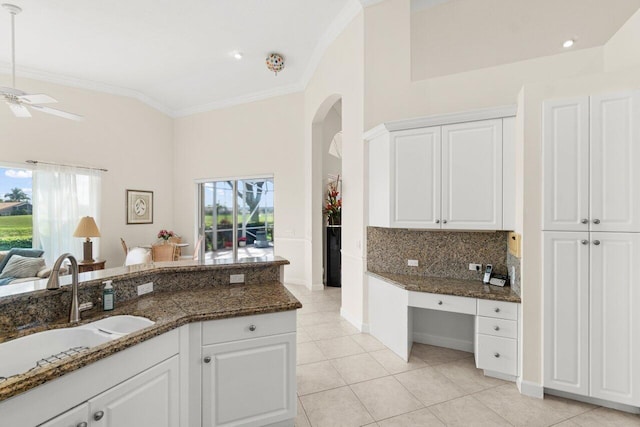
(333, 203)
(165, 234)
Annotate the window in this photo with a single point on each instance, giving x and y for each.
(16, 223)
(242, 208)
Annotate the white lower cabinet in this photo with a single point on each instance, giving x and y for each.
(148, 399)
(496, 341)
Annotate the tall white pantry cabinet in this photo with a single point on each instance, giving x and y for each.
(591, 249)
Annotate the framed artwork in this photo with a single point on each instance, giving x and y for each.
(139, 207)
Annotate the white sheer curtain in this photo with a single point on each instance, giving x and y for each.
(61, 196)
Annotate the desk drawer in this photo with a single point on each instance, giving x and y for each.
(497, 354)
(244, 327)
(497, 327)
(449, 303)
(498, 309)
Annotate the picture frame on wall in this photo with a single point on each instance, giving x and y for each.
(139, 207)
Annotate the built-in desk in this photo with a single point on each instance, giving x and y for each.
(494, 312)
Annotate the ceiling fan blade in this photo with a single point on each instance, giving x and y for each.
(19, 110)
(12, 91)
(58, 113)
(38, 98)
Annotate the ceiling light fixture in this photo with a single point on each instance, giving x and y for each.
(568, 43)
(237, 54)
(275, 62)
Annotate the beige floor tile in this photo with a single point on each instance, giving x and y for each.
(433, 355)
(301, 418)
(521, 410)
(335, 408)
(317, 307)
(421, 417)
(467, 411)
(302, 336)
(465, 375)
(330, 330)
(308, 352)
(319, 318)
(358, 368)
(316, 377)
(368, 342)
(339, 347)
(602, 417)
(385, 397)
(394, 364)
(429, 386)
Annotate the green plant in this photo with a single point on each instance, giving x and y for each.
(333, 203)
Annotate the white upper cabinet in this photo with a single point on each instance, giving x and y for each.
(615, 159)
(472, 175)
(416, 181)
(566, 165)
(590, 148)
(442, 177)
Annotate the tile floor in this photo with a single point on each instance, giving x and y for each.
(346, 378)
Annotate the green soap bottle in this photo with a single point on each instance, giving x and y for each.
(108, 296)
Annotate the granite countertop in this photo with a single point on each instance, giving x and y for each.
(169, 310)
(448, 286)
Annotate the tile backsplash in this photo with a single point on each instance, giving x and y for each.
(439, 253)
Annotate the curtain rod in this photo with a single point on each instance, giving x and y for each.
(35, 162)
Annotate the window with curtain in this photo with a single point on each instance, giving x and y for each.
(61, 196)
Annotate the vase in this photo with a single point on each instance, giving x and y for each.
(334, 243)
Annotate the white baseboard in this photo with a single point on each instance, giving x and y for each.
(353, 320)
(594, 401)
(530, 389)
(439, 341)
(500, 376)
(365, 328)
(317, 286)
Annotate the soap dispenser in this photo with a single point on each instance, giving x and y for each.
(108, 296)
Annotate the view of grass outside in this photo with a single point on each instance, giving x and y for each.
(15, 232)
(16, 225)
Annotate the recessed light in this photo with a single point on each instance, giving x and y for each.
(568, 43)
(236, 54)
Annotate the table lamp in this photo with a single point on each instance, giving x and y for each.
(87, 228)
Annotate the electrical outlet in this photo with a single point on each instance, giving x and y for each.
(475, 267)
(145, 289)
(236, 278)
(412, 263)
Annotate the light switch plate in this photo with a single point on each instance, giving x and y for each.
(236, 278)
(412, 263)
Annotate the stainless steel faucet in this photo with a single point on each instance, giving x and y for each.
(54, 283)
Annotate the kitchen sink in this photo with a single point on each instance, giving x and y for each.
(40, 349)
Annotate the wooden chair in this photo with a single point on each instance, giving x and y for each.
(176, 240)
(196, 249)
(165, 252)
(124, 246)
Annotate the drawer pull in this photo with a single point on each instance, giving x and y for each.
(437, 221)
(497, 310)
(584, 221)
(439, 302)
(496, 328)
(252, 328)
(207, 359)
(596, 242)
(98, 415)
(596, 221)
(496, 355)
(82, 424)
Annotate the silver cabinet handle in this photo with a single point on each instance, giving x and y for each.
(596, 242)
(584, 221)
(439, 302)
(82, 424)
(444, 221)
(98, 415)
(596, 221)
(437, 221)
(207, 359)
(584, 242)
(496, 355)
(497, 310)
(252, 328)
(496, 328)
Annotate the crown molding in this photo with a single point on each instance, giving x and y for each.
(367, 3)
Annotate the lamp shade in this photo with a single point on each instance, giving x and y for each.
(87, 228)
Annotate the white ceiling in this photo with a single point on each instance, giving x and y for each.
(173, 55)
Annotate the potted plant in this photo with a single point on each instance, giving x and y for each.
(165, 235)
(242, 241)
(333, 203)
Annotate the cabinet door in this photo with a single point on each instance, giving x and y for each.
(76, 417)
(565, 155)
(250, 382)
(615, 156)
(149, 399)
(615, 317)
(416, 178)
(472, 175)
(566, 311)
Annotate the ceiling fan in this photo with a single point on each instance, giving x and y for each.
(18, 100)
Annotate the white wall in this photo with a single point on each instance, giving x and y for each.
(130, 139)
(623, 49)
(260, 138)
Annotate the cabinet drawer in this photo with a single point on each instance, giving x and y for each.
(497, 327)
(498, 309)
(497, 354)
(239, 328)
(442, 302)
